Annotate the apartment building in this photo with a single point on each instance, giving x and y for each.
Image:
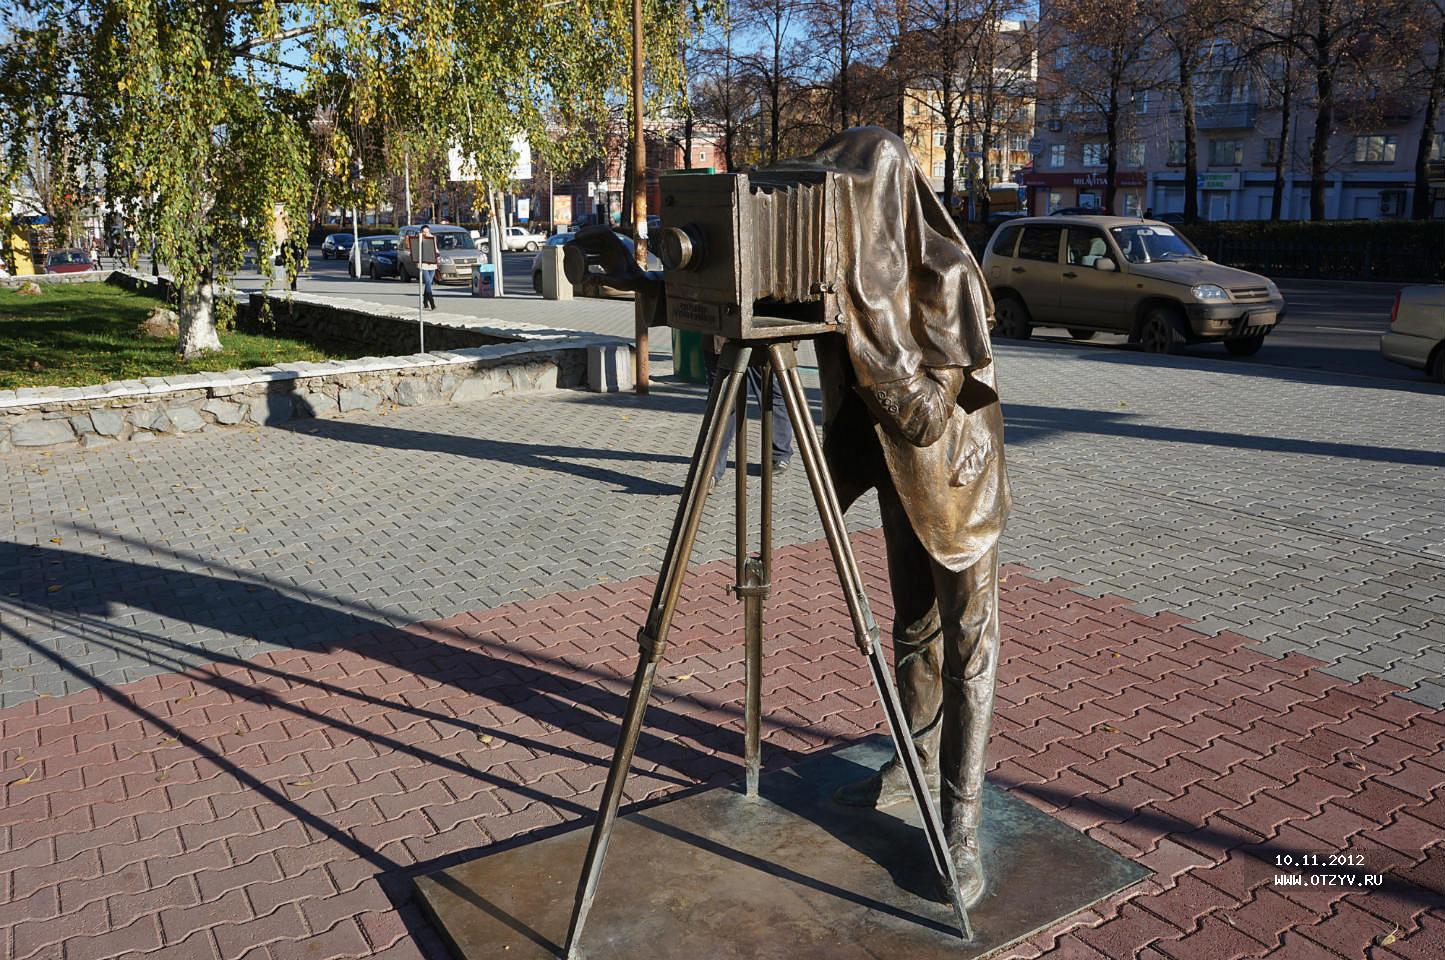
(1371, 155)
(1006, 105)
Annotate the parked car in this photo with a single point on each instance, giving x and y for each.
(385, 263)
(520, 238)
(1173, 218)
(360, 265)
(1417, 330)
(1004, 216)
(1124, 275)
(68, 260)
(457, 253)
(555, 240)
(336, 245)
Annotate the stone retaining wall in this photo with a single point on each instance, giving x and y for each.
(72, 418)
(375, 327)
(506, 358)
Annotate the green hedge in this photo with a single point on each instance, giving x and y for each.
(1397, 250)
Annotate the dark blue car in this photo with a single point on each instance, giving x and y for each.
(336, 245)
(384, 263)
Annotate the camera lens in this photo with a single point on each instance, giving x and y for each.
(676, 249)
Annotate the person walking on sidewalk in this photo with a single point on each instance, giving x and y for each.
(782, 452)
(427, 270)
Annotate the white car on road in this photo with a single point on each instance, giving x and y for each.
(520, 238)
(1417, 330)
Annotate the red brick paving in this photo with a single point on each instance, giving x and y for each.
(276, 808)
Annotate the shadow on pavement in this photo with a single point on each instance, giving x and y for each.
(1260, 365)
(578, 700)
(1025, 423)
(541, 456)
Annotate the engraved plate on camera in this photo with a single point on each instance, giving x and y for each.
(692, 315)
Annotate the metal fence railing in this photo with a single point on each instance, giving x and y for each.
(1361, 260)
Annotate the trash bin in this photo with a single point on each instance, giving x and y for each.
(687, 356)
(483, 283)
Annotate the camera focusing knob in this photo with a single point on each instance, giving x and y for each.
(676, 248)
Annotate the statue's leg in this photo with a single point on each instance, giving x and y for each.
(968, 610)
(917, 658)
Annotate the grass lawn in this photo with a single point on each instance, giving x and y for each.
(78, 334)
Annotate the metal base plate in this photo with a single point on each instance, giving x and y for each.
(787, 876)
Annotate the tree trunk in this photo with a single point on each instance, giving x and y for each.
(1191, 140)
(950, 147)
(1286, 106)
(1111, 121)
(1420, 203)
(845, 25)
(198, 321)
(1324, 121)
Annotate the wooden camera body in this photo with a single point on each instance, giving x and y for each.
(751, 256)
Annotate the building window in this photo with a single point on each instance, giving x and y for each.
(1020, 144)
(1437, 147)
(940, 138)
(1056, 201)
(938, 168)
(1375, 148)
(1133, 204)
(1058, 154)
(1226, 153)
(1141, 101)
(1271, 150)
(1176, 153)
(1133, 154)
(702, 156)
(1094, 154)
(914, 108)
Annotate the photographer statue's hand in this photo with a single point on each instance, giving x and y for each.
(917, 408)
(601, 246)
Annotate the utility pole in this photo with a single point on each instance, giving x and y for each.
(406, 180)
(638, 199)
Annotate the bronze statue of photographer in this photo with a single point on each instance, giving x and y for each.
(911, 410)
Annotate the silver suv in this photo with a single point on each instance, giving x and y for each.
(457, 253)
(1124, 275)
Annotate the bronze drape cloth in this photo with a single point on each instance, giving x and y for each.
(918, 314)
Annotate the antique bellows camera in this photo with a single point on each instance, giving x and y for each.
(751, 256)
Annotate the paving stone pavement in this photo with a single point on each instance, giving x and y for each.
(276, 807)
(1304, 511)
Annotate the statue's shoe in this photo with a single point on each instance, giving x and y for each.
(967, 866)
(884, 788)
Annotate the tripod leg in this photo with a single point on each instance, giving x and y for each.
(865, 628)
(732, 366)
(752, 588)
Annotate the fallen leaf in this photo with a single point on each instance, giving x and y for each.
(189, 696)
(239, 530)
(25, 779)
(485, 737)
(54, 539)
(1386, 939)
(166, 740)
(1108, 728)
(162, 777)
(685, 676)
(303, 783)
(55, 587)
